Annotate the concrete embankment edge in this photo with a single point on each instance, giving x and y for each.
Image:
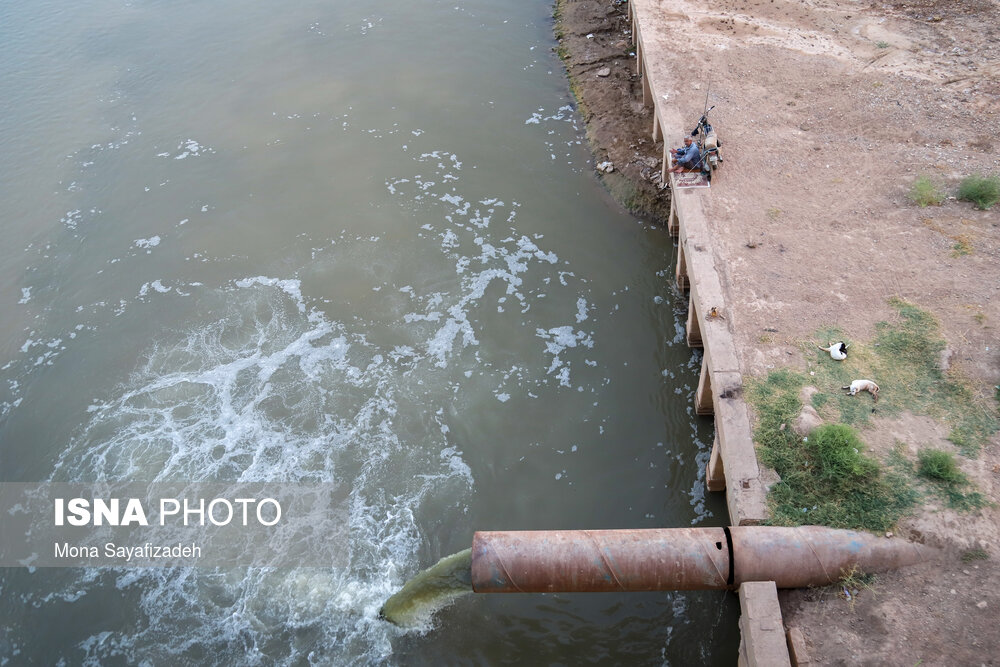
(733, 466)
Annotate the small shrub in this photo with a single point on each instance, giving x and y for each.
(939, 465)
(924, 192)
(983, 191)
(882, 44)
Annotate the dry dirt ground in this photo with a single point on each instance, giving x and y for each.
(828, 111)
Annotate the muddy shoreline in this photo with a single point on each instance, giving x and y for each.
(595, 45)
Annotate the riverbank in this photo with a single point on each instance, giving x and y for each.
(828, 114)
(596, 48)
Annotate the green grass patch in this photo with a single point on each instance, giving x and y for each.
(826, 479)
(940, 469)
(924, 192)
(939, 466)
(904, 360)
(983, 191)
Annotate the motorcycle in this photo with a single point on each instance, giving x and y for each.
(709, 144)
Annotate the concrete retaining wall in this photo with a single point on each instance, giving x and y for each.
(733, 467)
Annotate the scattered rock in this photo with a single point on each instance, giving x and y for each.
(605, 167)
(981, 604)
(604, 71)
(945, 360)
(807, 421)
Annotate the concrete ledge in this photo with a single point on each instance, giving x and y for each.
(720, 388)
(763, 633)
(797, 648)
(733, 465)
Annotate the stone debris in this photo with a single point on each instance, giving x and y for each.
(605, 167)
(807, 421)
(604, 71)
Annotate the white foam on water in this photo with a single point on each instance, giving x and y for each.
(271, 391)
(557, 341)
(291, 287)
(504, 260)
(188, 148)
(151, 242)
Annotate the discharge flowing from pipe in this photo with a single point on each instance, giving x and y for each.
(432, 589)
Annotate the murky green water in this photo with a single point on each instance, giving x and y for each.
(357, 243)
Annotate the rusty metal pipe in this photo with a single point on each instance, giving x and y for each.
(678, 558)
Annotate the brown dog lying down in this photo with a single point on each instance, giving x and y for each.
(863, 385)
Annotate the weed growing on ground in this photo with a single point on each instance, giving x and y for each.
(904, 360)
(882, 44)
(983, 191)
(854, 581)
(975, 554)
(963, 246)
(826, 478)
(925, 193)
(940, 469)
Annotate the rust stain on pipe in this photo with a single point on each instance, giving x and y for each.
(599, 560)
(677, 558)
(814, 555)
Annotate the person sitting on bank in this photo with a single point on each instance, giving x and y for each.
(688, 157)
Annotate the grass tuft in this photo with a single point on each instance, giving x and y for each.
(983, 191)
(940, 469)
(975, 554)
(939, 466)
(837, 449)
(963, 246)
(925, 193)
(853, 581)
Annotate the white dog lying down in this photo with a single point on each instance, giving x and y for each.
(863, 385)
(837, 350)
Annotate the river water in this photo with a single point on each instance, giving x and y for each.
(351, 243)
